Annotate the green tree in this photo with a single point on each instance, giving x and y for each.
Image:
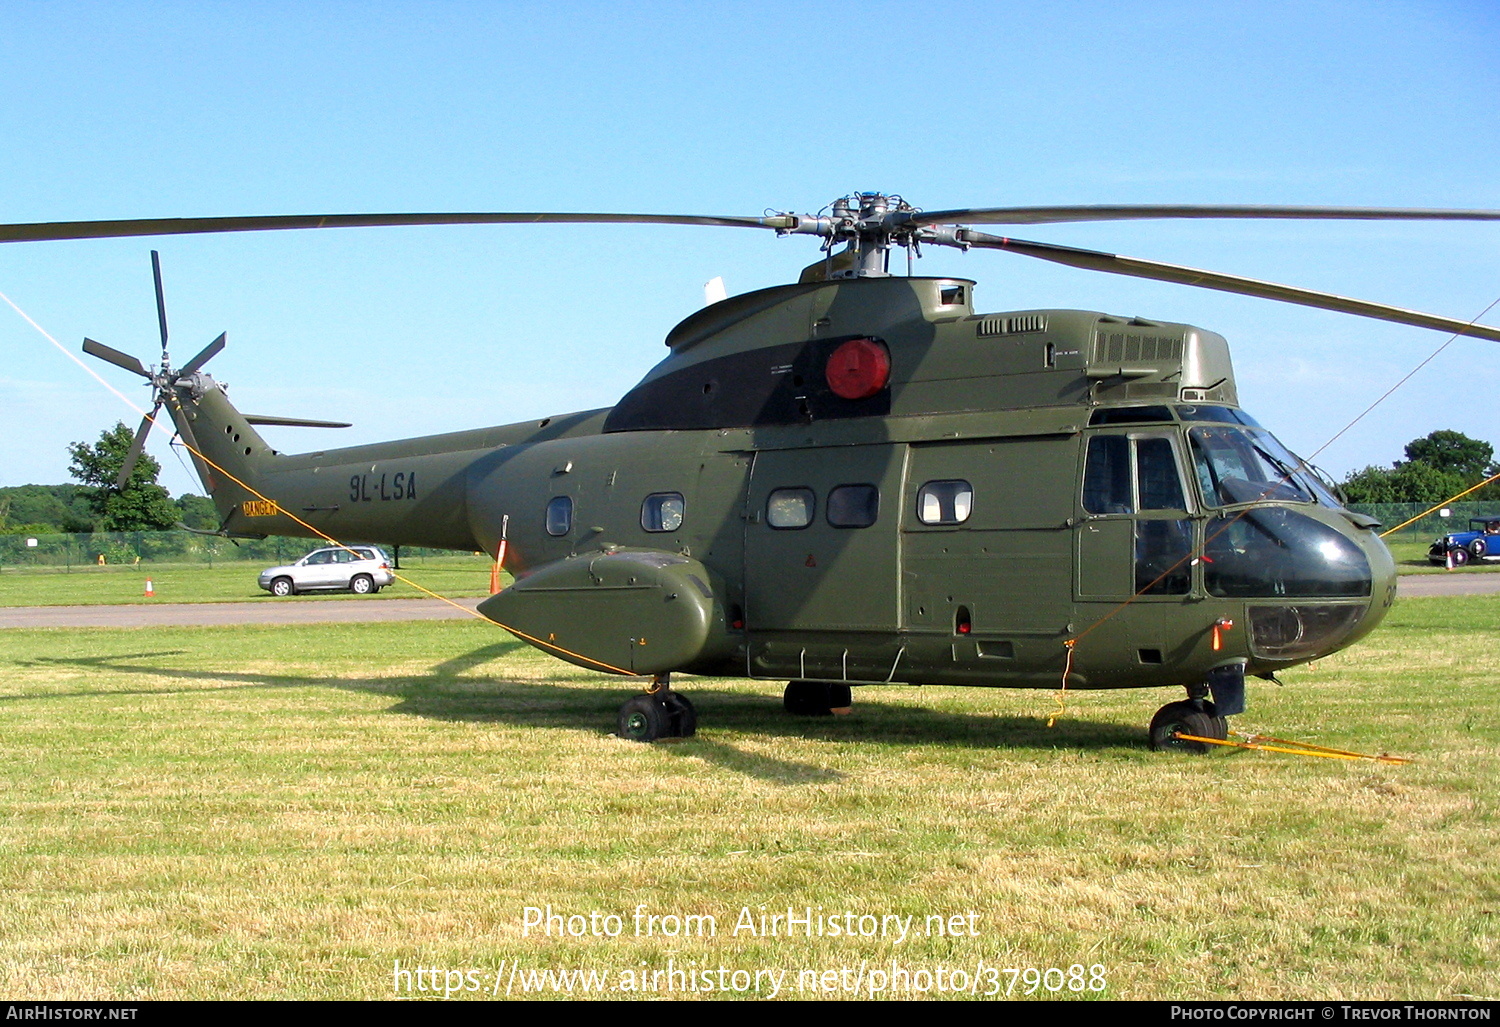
(198, 512)
(142, 504)
(1436, 467)
(1453, 451)
(59, 507)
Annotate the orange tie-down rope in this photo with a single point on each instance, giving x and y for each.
(316, 531)
(1302, 748)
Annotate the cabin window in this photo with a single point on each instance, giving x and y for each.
(662, 511)
(853, 506)
(559, 515)
(790, 508)
(945, 502)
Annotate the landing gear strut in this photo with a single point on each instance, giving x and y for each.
(816, 698)
(660, 713)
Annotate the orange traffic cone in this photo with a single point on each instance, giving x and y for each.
(149, 590)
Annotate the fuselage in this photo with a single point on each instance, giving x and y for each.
(864, 481)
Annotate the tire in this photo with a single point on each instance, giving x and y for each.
(815, 698)
(1190, 717)
(1478, 548)
(1459, 555)
(283, 587)
(362, 585)
(642, 719)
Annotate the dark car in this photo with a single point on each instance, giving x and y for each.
(1480, 542)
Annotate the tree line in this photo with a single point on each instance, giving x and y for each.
(93, 504)
(1437, 467)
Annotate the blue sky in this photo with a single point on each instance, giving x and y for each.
(159, 110)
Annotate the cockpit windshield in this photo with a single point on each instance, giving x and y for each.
(1247, 465)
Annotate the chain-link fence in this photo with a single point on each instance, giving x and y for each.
(113, 548)
(1431, 525)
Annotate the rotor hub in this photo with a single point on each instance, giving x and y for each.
(869, 224)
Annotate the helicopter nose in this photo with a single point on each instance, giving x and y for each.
(1315, 581)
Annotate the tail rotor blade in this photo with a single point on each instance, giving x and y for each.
(136, 445)
(114, 356)
(161, 302)
(203, 357)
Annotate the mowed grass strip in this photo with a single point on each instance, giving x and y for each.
(452, 576)
(287, 812)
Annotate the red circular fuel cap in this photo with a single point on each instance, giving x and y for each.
(858, 369)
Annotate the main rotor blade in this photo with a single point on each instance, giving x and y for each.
(136, 445)
(1139, 212)
(114, 356)
(295, 422)
(271, 223)
(1135, 267)
(204, 356)
(161, 302)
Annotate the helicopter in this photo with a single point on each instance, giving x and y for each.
(857, 479)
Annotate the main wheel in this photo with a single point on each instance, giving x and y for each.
(815, 698)
(282, 587)
(1188, 717)
(362, 585)
(1459, 556)
(643, 719)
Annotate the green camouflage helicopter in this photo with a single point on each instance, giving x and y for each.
(858, 480)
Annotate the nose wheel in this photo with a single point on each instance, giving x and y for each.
(660, 713)
(1196, 717)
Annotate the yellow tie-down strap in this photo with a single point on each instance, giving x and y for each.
(1301, 748)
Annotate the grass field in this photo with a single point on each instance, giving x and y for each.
(454, 576)
(290, 812)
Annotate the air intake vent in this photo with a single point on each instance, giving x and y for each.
(1119, 347)
(1017, 325)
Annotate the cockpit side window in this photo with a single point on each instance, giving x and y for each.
(1125, 474)
(1156, 475)
(1106, 476)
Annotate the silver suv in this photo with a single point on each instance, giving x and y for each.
(363, 570)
